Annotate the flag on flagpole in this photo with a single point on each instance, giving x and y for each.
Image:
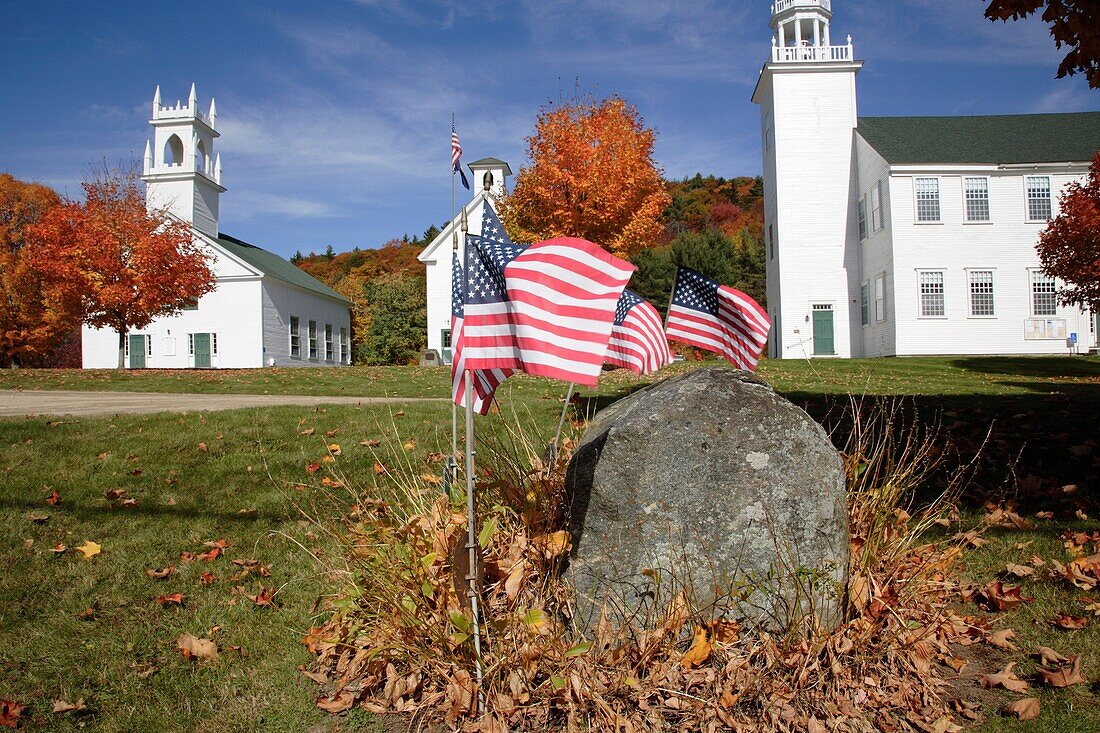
(485, 381)
(546, 309)
(638, 340)
(717, 318)
(456, 158)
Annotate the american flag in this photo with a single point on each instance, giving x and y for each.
(545, 309)
(456, 157)
(638, 341)
(717, 318)
(485, 381)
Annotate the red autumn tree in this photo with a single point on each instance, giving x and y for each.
(124, 264)
(1069, 248)
(1073, 23)
(592, 175)
(34, 319)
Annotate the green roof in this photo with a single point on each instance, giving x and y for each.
(491, 163)
(274, 266)
(998, 140)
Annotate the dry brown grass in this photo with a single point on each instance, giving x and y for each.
(398, 639)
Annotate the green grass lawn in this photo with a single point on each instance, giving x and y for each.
(247, 484)
(923, 376)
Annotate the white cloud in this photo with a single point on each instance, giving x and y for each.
(249, 204)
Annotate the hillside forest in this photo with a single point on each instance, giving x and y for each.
(713, 225)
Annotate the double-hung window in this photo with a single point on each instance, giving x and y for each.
(345, 347)
(295, 338)
(976, 193)
(863, 218)
(1038, 198)
(880, 298)
(981, 293)
(328, 342)
(313, 339)
(878, 221)
(928, 199)
(865, 303)
(1044, 299)
(931, 294)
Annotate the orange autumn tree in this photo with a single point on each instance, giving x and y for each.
(1069, 248)
(124, 264)
(34, 319)
(592, 175)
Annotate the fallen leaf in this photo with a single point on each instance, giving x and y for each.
(89, 549)
(380, 469)
(210, 555)
(334, 449)
(338, 703)
(956, 663)
(220, 543)
(58, 548)
(431, 479)
(410, 444)
(1050, 657)
(207, 578)
(39, 518)
(186, 556)
(265, 598)
(318, 677)
(399, 413)
(332, 433)
(308, 431)
(10, 711)
(1025, 709)
(54, 499)
(1000, 597)
(1081, 515)
(699, 651)
(202, 447)
(1020, 571)
(161, 574)
(1005, 678)
(1063, 676)
(61, 706)
(370, 443)
(552, 544)
(1044, 515)
(1069, 623)
(144, 670)
(202, 650)
(172, 599)
(332, 483)
(1001, 639)
(313, 467)
(90, 613)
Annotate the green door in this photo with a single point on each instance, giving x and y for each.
(137, 352)
(202, 350)
(823, 330)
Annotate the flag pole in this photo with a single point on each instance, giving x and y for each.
(471, 520)
(553, 452)
(452, 460)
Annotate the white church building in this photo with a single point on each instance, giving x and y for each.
(488, 183)
(895, 236)
(263, 311)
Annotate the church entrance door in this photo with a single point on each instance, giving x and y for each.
(202, 350)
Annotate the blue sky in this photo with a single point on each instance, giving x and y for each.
(335, 114)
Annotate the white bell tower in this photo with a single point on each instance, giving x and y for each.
(807, 98)
(181, 170)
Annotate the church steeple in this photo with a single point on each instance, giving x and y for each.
(801, 32)
(182, 172)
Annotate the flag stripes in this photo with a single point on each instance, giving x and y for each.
(546, 309)
(485, 382)
(717, 318)
(638, 340)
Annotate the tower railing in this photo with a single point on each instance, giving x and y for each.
(790, 54)
(780, 5)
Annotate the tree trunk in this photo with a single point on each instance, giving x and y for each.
(121, 348)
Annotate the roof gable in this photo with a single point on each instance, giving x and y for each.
(444, 237)
(272, 265)
(993, 139)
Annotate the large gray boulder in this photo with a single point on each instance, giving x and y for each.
(712, 483)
